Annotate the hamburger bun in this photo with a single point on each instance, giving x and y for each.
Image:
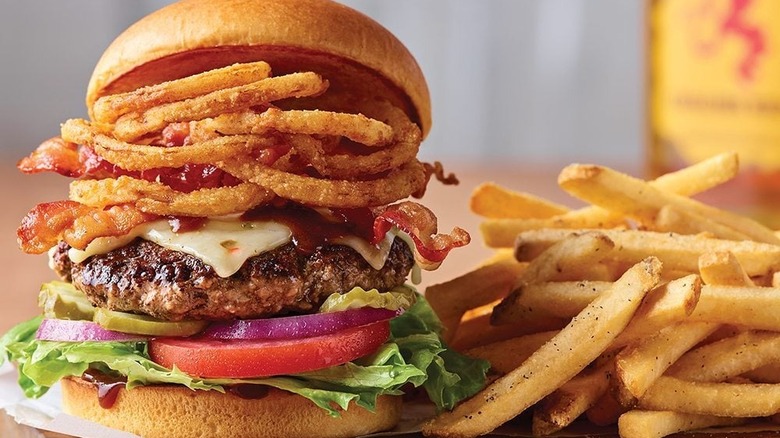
(360, 59)
(355, 53)
(175, 411)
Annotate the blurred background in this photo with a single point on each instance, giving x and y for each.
(518, 84)
(543, 81)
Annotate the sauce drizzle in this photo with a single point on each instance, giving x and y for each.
(248, 391)
(108, 387)
(310, 229)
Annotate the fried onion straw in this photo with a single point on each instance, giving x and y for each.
(108, 109)
(133, 126)
(398, 184)
(160, 199)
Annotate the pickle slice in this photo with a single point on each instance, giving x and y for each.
(145, 325)
(61, 300)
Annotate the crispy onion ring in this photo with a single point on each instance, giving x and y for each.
(406, 143)
(160, 199)
(437, 170)
(399, 184)
(355, 127)
(404, 136)
(333, 163)
(108, 109)
(140, 157)
(330, 152)
(135, 125)
(346, 166)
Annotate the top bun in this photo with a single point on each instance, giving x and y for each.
(355, 53)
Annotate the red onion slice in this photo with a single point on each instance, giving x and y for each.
(65, 330)
(296, 327)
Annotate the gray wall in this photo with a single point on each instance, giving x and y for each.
(543, 81)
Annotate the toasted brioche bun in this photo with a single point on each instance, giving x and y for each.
(175, 411)
(356, 54)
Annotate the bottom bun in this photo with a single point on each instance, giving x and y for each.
(176, 411)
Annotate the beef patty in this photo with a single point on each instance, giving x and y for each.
(143, 277)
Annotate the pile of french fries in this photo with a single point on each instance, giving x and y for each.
(646, 309)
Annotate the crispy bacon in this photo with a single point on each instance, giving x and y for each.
(54, 155)
(75, 223)
(420, 224)
(71, 160)
(176, 134)
(67, 159)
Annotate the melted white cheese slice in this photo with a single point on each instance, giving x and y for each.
(223, 244)
(226, 244)
(376, 256)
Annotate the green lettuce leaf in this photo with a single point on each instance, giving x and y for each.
(414, 354)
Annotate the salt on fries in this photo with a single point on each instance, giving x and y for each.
(563, 320)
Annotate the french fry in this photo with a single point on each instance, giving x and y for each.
(478, 331)
(453, 298)
(638, 366)
(700, 177)
(567, 258)
(728, 358)
(622, 193)
(688, 353)
(676, 251)
(751, 307)
(583, 340)
(672, 218)
(720, 399)
(501, 233)
(668, 304)
(494, 201)
(558, 299)
(506, 355)
(568, 402)
(765, 374)
(606, 410)
(657, 424)
(724, 331)
(664, 306)
(722, 268)
(687, 181)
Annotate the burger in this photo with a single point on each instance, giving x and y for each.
(235, 250)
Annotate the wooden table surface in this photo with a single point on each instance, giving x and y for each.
(24, 273)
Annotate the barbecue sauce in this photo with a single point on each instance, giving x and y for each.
(310, 229)
(183, 224)
(108, 387)
(248, 391)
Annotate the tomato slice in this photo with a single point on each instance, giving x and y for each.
(211, 358)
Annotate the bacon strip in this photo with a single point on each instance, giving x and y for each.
(75, 223)
(54, 155)
(420, 224)
(71, 160)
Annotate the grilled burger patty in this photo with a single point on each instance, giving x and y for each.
(143, 277)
